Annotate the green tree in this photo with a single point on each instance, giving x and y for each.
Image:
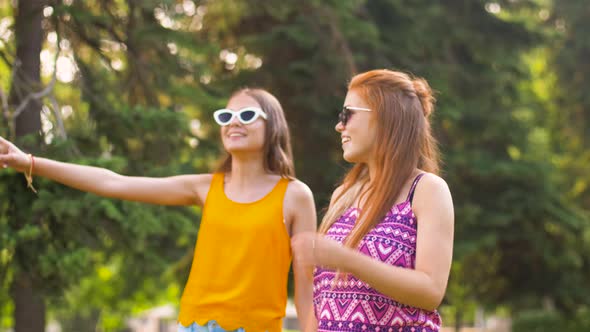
(132, 97)
(511, 120)
(571, 111)
(558, 109)
(29, 308)
(514, 228)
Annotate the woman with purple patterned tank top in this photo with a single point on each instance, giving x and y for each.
(383, 253)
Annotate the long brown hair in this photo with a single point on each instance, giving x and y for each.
(403, 105)
(278, 155)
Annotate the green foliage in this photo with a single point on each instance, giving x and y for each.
(134, 121)
(538, 321)
(546, 320)
(570, 113)
(515, 231)
(511, 118)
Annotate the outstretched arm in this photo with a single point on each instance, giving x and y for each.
(176, 190)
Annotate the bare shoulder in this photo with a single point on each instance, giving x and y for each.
(432, 182)
(297, 192)
(432, 192)
(336, 193)
(299, 208)
(201, 184)
(201, 180)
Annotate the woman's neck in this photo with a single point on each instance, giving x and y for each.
(246, 170)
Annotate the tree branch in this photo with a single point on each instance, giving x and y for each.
(58, 118)
(33, 96)
(38, 95)
(340, 40)
(4, 58)
(92, 43)
(4, 103)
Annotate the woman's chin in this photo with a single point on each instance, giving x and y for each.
(354, 158)
(236, 148)
(349, 157)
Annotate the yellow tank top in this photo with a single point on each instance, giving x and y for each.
(241, 263)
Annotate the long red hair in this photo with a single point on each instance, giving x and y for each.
(403, 105)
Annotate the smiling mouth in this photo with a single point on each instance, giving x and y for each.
(345, 139)
(236, 135)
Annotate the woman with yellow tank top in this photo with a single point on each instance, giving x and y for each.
(252, 206)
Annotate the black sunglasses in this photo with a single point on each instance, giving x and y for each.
(347, 111)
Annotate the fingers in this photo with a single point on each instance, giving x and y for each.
(9, 154)
(4, 146)
(303, 250)
(5, 160)
(309, 272)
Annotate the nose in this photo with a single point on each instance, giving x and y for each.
(339, 127)
(235, 121)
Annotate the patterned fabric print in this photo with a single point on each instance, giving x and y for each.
(351, 304)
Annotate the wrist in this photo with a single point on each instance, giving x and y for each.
(335, 257)
(343, 258)
(23, 163)
(29, 172)
(29, 165)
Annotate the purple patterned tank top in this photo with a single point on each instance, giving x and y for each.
(353, 305)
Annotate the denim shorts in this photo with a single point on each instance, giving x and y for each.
(211, 326)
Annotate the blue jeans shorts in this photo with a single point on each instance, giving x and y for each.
(211, 326)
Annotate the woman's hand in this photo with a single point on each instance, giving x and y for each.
(312, 249)
(11, 156)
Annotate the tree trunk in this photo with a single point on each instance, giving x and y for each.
(29, 306)
(27, 66)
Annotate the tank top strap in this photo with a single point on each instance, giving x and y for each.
(280, 189)
(413, 188)
(216, 186)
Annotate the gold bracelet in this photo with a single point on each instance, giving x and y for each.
(29, 176)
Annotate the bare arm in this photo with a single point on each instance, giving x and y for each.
(304, 258)
(299, 202)
(176, 190)
(424, 287)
